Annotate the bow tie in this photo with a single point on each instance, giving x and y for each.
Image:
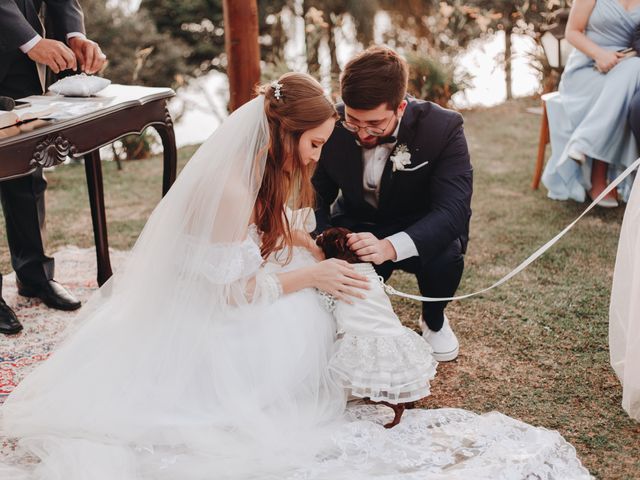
(389, 139)
(381, 140)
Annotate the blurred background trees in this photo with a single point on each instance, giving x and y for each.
(176, 42)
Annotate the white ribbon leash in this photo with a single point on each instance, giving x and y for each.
(392, 291)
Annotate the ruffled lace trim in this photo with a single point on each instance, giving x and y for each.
(394, 369)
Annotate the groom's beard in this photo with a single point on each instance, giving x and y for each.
(376, 141)
(368, 143)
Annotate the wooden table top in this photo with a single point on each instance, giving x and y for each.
(72, 111)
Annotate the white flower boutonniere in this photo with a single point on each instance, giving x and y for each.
(400, 157)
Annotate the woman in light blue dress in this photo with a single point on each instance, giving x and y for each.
(595, 92)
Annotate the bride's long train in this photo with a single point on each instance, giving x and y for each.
(435, 444)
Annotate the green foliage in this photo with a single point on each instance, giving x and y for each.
(136, 51)
(197, 24)
(430, 79)
(361, 12)
(137, 54)
(273, 36)
(439, 28)
(521, 17)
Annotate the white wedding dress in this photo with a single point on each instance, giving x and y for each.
(190, 365)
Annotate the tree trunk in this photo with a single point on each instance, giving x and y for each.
(312, 37)
(508, 31)
(243, 51)
(279, 40)
(335, 67)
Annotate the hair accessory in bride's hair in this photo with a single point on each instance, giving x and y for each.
(276, 87)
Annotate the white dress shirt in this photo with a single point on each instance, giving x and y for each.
(374, 161)
(32, 43)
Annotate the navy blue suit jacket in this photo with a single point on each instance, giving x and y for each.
(431, 204)
(20, 22)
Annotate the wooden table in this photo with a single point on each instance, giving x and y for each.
(116, 111)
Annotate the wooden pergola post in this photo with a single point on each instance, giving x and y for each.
(243, 50)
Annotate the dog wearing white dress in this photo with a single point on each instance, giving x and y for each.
(376, 357)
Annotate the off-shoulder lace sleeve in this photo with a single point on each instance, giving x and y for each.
(227, 263)
(233, 270)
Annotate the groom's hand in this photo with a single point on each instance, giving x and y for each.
(371, 249)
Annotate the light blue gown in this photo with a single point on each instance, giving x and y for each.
(591, 114)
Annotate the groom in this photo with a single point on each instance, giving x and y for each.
(397, 171)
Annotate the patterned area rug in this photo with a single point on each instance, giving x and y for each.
(19, 354)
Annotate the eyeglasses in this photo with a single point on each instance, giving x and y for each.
(373, 131)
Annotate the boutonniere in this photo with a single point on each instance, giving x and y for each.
(400, 157)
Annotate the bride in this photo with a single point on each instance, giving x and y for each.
(206, 355)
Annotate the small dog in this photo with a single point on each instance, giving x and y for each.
(333, 243)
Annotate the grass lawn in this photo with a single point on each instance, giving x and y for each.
(535, 349)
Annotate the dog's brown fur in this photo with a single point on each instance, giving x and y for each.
(333, 242)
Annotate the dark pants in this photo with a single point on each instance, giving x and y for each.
(438, 277)
(634, 116)
(23, 198)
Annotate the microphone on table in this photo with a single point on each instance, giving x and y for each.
(7, 103)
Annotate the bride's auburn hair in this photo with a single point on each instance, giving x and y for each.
(293, 104)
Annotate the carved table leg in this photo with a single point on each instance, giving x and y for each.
(93, 169)
(170, 153)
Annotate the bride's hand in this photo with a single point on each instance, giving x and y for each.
(339, 279)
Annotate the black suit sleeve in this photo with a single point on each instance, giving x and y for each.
(450, 188)
(66, 16)
(326, 193)
(15, 29)
(635, 43)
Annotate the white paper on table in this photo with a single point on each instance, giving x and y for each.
(64, 108)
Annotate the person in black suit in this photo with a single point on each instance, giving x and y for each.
(397, 170)
(24, 56)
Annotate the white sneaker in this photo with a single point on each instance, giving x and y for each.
(444, 342)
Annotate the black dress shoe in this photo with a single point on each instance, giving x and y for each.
(51, 293)
(9, 323)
